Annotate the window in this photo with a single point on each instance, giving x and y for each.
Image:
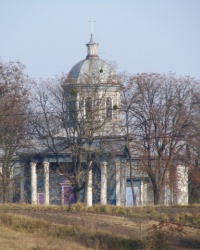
(88, 107)
(109, 108)
(71, 111)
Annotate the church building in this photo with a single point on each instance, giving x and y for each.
(92, 92)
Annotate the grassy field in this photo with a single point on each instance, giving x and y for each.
(12, 239)
(99, 227)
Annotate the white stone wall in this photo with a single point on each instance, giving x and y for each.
(181, 187)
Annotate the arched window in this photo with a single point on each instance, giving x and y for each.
(88, 107)
(71, 111)
(109, 108)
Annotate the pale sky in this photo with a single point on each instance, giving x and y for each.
(49, 36)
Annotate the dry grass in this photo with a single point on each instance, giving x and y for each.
(42, 232)
(147, 212)
(32, 207)
(88, 238)
(11, 239)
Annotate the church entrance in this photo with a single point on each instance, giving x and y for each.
(67, 193)
(129, 195)
(40, 198)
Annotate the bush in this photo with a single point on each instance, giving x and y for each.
(160, 235)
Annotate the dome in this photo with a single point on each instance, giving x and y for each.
(92, 70)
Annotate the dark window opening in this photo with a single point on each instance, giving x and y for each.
(88, 107)
(109, 108)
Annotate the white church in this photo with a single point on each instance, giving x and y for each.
(38, 178)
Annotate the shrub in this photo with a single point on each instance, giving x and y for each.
(160, 236)
(78, 207)
(115, 107)
(73, 92)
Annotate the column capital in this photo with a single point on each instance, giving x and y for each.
(117, 162)
(33, 163)
(45, 163)
(124, 161)
(103, 163)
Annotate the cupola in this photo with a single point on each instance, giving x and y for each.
(92, 51)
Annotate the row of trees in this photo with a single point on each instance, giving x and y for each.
(14, 102)
(160, 124)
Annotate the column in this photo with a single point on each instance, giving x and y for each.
(118, 179)
(46, 182)
(10, 192)
(117, 110)
(123, 183)
(89, 189)
(166, 189)
(181, 191)
(104, 183)
(21, 183)
(33, 183)
(143, 192)
(78, 107)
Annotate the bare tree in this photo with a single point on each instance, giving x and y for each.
(193, 153)
(194, 169)
(128, 96)
(76, 117)
(159, 109)
(14, 100)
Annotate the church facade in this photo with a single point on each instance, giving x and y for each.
(40, 178)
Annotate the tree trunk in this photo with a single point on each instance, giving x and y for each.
(77, 195)
(86, 188)
(131, 175)
(133, 192)
(157, 194)
(4, 195)
(132, 187)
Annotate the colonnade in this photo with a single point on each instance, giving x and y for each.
(34, 193)
(120, 184)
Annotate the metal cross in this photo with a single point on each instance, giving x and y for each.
(92, 21)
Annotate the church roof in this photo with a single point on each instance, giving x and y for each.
(92, 70)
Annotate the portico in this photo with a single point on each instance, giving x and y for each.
(119, 189)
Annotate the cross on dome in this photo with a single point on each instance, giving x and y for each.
(92, 21)
(92, 51)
